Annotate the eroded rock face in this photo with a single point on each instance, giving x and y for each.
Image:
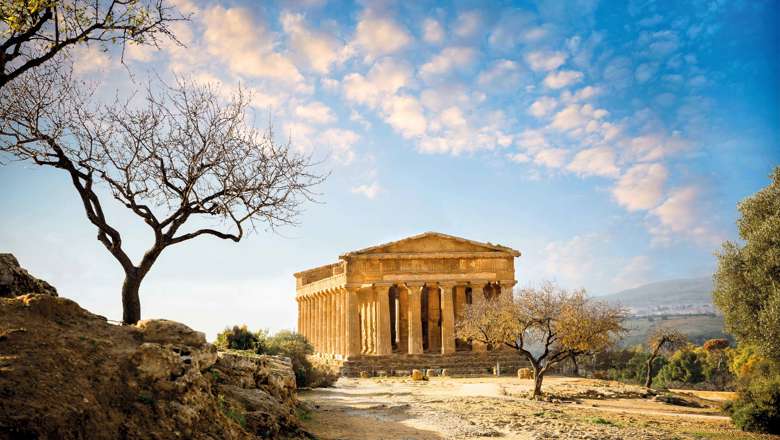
(14, 280)
(263, 388)
(66, 373)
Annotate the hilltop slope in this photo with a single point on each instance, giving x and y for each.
(674, 297)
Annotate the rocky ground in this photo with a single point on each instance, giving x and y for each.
(66, 373)
(449, 408)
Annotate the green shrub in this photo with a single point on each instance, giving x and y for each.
(298, 349)
(240, 338)
(757, 407)
(684, 367)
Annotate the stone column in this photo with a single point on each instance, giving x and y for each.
(335, 313)
(403, 320)
(353, 323)
(310, 319)
(383, 343)
(334, 323)
(315, 336)
(363, 325)
(371, 321)
(335, 317)
(447, 319)
(325, 322)
(415, 319)
(340, 322)
(434, 331)
(506, 286)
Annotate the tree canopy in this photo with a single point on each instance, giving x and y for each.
(33, 32)
(747, 281)
(181, 154)
(546, 325)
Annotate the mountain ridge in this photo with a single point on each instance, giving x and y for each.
(684, 296)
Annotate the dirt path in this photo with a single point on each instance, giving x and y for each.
(445, 408)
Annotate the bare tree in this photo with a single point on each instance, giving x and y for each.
(546, 325)
(32, 32)
(182, 154)
(662, 339)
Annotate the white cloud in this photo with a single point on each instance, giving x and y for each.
(447, 60)
(575, 116)
(681, 215)
(599, 161)
(545, 61)
(645, 71)
(369, 191)
(677, 212)
(378, 36)
(320, 50)
(653, 147)
(90, 59)
(641, 187)
(385, 78)
(137, 52)
(341, 143)
(532, 140)
(452, 118)
(405, 114)
(582, 94)
(519, 157)
(551, 157)
(563, 78)
(432, 31)
(502, 73)
(543, 106)
(316, 112)
(301, 135)
(244, 45)
(468, 23)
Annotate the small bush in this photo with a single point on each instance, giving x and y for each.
(285, 343)
(757, 407)
(240, 338)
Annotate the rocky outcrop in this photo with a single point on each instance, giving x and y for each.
(66, 373)
(14, 280)
(263, 387)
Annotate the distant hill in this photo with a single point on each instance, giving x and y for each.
(685, 304)
(687, 296)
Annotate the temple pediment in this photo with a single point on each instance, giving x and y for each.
(432, 242)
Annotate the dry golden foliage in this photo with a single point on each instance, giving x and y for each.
(556, 322)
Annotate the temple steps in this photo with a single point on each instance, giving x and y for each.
(457, 364)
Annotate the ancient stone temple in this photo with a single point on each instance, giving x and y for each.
(402, 298)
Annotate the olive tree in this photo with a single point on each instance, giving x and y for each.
(546, 325)
(183, 160)
(33, 32)
(747, 280)
(660, 340)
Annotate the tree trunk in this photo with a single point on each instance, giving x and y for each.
(576, 366)
(538, 377)
(649, 377)
(131, 304)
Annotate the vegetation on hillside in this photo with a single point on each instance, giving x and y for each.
(309, 371)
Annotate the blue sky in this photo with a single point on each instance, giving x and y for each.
(609, 142)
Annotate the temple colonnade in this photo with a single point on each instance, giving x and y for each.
(390, 318)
